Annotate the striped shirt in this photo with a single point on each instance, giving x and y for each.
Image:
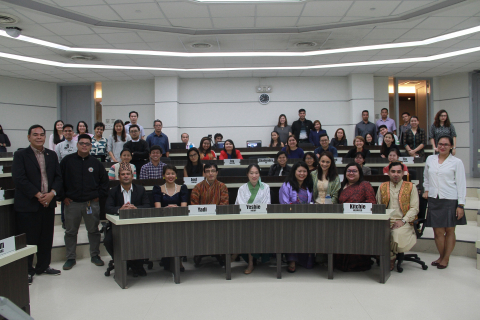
(204, 193)
(40, 155)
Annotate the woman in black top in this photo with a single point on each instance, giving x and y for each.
(4, 141)
(170, 194)
(194, 167)
(369, 141)
(339, 139)
(359, 146)
(388, 144)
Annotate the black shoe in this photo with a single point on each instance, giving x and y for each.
(30, 279)
(69, 264)
(197, 260)
(52, 272)
(97, 261)
(141, 272)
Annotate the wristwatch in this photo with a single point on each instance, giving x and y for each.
(404, 222)
(460, 206)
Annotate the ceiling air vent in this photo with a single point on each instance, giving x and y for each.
(201, 45)
(6, 18)
(305, 44)
(79, 57)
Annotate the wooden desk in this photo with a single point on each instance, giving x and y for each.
(170, 232)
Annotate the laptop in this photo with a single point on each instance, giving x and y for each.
(220, 144)
(178, 146)
(254, 143)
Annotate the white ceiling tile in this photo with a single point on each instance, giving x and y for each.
(100, 30)
(316, 21)
(279, 10)
(125, 1)
(269, 22)
(85, 39)
(440, 22)
(227, 23)
(380, 33)
(67, 3)
(67, 28)
(167, 46)
(356, 19)
(196, 23)
(138, 11)
(407, 24)
(33, 51)
(461, 10)
(232, 10)
(364, 8)
(407, 6)
(420, 34)
(350, 34)
(151, 22)
(184, 10)
(132, 46)
(326, 8)
(469, 23)
(237, 45)
(38, 16)
(101, 12)
(123, 37)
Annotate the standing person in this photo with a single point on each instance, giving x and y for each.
(325, 146)
(82, 128)
(99, 143)
(158, 138)
(445, 188)
(316, 133)
(217, 139)
(153, 169)
(365, 126)
(414, 139)
(326, 182)
(138, 147)
(297, 189)
(37, 177)
(117, 140)
(275, 140)
(283, 129)
(84, 182)
(301, 127)
(194, 167)
(339, 139)
(229, 151)
(359, 146)
(292, 150)
(386, 121)
(133, 115)
(405, 126)
(185, 137)
(4, 141)
(254, 191)
(281, 168)
(442, 127)
(125, 157)
(311, 160)
(402, 197)
(57, 136)
(388, 144)
(205, 149)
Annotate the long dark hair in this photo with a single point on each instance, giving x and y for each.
(450, 139)
(86, 126)
(200, 147)
(56, 136)
(251, 166)
(189, 167)
(169, 167)
(436, 123)
(332, 171)
(384, 148)
(288, 146)
(114, 134)
(308, 183)
(282, 115)
(343, 138)
(345, 180)
(279, 143)
(234, 151)
(1, 129)
(312, 155)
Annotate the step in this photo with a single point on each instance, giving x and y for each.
(473, 192)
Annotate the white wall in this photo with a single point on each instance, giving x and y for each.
(380, 94)
(451, 93)
(24, 103)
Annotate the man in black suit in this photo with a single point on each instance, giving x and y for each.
(37, 177)
(125, 196)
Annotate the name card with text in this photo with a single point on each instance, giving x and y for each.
(268, 161)
(1, 169)
(406, 160)
(338, 160)
(7, 245)
(259, 208)
(365, 208)
(2, 195)
(231, 162)
(202, 210)
(192, 180)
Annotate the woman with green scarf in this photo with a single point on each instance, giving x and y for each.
(254, 191)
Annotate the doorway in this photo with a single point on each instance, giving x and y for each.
(77, 103)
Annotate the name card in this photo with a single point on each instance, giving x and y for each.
(268, 161)
(365, 208)
(2, 195)
(406, 160)
(192, 180)
(1, 169)
(202, 210)
(341, 177)
(231, 162)
(7, 245)
(338, 160)
(259, 208)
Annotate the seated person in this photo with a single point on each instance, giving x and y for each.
(326, 182)
(153, 169)
(217, 138)
(205, 149)
(359, 143)
(209, 191)
(125, 157)
(194, 167)
(369, 141)
(281, 168)
(275, 141)
(360, 159)
(393, 156)
(292, 150)
(138, 147)
(127, 195)
(311, 160)
(185, 137)
(325, 146)
(314, 135)
(382, 130)
(229, 151)
(339, 139)
(402, 196)
(387, 145)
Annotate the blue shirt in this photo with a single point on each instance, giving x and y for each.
(314, 137)
(297, 154)
(333, 150)
(161, 141)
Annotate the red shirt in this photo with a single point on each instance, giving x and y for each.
(224, 155)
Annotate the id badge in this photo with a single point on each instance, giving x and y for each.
(89, 210)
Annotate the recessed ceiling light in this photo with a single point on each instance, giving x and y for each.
(6, 18)
(201, 45)
(81, 57)
(305, 44)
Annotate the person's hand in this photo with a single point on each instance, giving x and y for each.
(460, 213)
(46, 199)
(382, 156)
(454, 151)
(67, 201)
(125, 206)
(425, 195)
(436, 149)
(172, 205)
(411, 152)
(113, 159)
(397, 224)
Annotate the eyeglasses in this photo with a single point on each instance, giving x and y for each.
(352, 171)
(193, 155)
(444, 145)
(85, 144)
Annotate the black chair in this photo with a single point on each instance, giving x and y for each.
(232, 172)
(303, 145)
(374, 171)
(419, 226)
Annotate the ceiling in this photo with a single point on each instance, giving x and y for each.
(246, 27)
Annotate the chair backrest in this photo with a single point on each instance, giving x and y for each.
(232, 172)
(304, 145)
(374, 171)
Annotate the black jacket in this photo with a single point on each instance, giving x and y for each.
(297, 126)
(26, 177)
(140, 150)
(84, 179)
(275, 170)
(115, 198)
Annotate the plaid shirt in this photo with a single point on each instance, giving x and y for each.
(149, 171)
(414, 140)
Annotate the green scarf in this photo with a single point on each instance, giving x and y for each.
(254, 190)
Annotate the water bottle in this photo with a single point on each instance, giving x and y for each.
(328, 199)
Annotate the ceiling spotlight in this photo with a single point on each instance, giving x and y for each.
(80, 57)
(306, 44)
(13, 32)
(201, 45)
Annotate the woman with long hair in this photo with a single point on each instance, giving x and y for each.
(369, 141)
(340, 139)
(326, 182)
(229, 151)
(82, 128)
(442, 127)
(314, 135)
(275, 140)
(414, 139)
(387, 145)
(194, 167)
(4, 141)
(116, 140)
(292, 149)
(311, 160)
(57, 136)
(205, 149)
(283, 129)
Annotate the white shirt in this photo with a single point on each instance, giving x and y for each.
(446, 180)
(190, 145)
(380, 140)
(127, 195)
(263, 196)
